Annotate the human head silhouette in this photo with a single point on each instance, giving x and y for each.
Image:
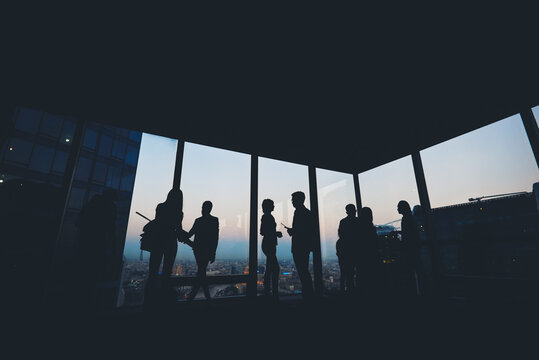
(298, 198)
(403, 207)
(174, 195)
(267, 206)
(350, 209)
(365, 214)
(206, 207)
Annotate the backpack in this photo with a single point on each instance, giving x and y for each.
(147, 238)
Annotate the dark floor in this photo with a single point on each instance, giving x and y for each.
(327, 327)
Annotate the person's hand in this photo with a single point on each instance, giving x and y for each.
(279, 234)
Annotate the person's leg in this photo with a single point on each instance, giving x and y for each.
(204, 280)
(274, 273)
(155, 261)
(198, 279)
(349, 276)
(301, 259)
(267, 272)
(168, 261)
(342, 276)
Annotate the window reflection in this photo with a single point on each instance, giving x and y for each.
(41, 158)
(483, 190)
(99, 202)
(32, 165)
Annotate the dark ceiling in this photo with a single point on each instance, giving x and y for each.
(337, 94)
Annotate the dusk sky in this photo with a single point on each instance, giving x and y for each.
(495, 159)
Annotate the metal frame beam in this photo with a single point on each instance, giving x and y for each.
(317, 252)
(532, 130)
(253, 233)
(426, 212)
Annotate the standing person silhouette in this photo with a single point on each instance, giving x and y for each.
(168, 217)
(411, 245)
(303, 232)
(206, 231)
(368, 256)
(269, 248)
(348, 237)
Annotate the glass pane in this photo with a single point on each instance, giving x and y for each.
(382, 188)
(481, 187)
(19, 151)
(28, 120)
(41, 158)
(76, 199)
(90, 139)
(84, 167)
(105, 145)
(118, 149)
(51, 125)
(277, 180)
(60, 162)
(93, 232)
(132, 156)
(68, 131)
(153, 181)
(113, 177)
(135, 135)
(535, 111)
(128, 179)
(222, 177)
(100, 172)
(335, 191)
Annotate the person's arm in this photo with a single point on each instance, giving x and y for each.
(262, 226)
(215, 241)
(193, 229)
(290, 231)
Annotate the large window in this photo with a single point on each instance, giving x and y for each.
(277, 180)
(381, 190)
(95, 261)
(335, 191)
(484, 210)
(153, 181)
(32, 167)
(222, 177)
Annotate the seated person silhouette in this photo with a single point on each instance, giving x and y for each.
(269, 247)
(206, 231)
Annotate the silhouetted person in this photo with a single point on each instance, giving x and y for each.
(348, 236)
(411, 245)
(206, 231)
(96, 230)
(268, 229)
(303, 233)
(168, 217)
(367, 254)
